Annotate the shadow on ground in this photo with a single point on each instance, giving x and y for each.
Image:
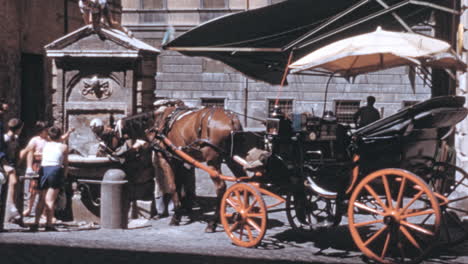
(32, 254)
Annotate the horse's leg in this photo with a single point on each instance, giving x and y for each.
(179, 175)
(169, 187)
(220, 187)
(189, 189)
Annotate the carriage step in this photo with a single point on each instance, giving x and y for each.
(319, 190)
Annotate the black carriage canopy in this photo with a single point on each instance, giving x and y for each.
(258, 42)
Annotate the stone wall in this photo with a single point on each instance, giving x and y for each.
(461, 136)
(28, 25)
(193, 78)
(10, 51)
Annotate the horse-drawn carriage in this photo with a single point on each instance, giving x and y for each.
(394, 179)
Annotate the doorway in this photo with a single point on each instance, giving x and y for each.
(32, 91)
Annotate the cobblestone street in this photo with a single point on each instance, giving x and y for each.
(157, 242)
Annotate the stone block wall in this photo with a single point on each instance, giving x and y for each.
(28, 25)
(461, 136)
(194, 78)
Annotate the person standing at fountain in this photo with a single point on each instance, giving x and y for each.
(54, 166)
(33, 154)
(11, 139)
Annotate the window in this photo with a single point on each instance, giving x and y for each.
(285, 105)
(153, 4)
(213, 3)
(213, 102)
(345, 110)
(409, 103)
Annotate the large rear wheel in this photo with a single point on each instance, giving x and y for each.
(385, 213)
(451, 184)
(244, 215)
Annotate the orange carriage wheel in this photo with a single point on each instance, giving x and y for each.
(449, 182)
(244, 215)
(384, 216)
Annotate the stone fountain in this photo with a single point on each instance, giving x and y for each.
(102, 74)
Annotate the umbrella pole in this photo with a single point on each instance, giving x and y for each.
(326, 94)
(285, 74)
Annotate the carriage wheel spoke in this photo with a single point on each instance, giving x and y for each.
(410, 237)
(259, 215)
(238, 196)
(229, 215)
(252, 205)
(416, 197)
(241, 232)
(427, 212)
(458, 199)
(423, 222)
(417, 228)
(376, 196)
(249, 232)
(457, 209)
(233, 227)
(368, 223)
(374, 236)
(400, 193)
(367, 208)
(246, 199)
(233, 204)
(385, 248)
(254, 225)
(387, 191)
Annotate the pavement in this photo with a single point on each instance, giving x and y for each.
(154, 241)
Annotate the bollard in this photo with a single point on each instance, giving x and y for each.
(114, 200)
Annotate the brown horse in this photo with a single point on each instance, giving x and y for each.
(205, 134)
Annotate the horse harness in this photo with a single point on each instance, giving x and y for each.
(177, 114)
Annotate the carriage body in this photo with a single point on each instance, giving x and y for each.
(398, 170)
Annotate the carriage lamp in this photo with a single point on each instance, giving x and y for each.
(312, 136)
(272, 126)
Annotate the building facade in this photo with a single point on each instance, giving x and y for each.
(27, 26)
(201, 81)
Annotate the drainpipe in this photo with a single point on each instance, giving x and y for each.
(65, 17)
(246, 100)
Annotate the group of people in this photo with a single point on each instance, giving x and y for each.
(45, 155)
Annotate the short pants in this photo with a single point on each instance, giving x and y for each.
(51, 177)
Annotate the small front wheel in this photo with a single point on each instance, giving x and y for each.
(244, 215)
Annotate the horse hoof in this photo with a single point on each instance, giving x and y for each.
(210, 229)
(174, 222)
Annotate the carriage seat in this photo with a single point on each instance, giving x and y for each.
(255, 160)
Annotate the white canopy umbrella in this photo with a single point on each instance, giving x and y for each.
(379, 50)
